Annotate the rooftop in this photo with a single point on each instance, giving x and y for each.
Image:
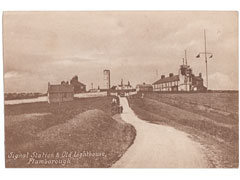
(167, 79)
(144, 85)
(60, 88)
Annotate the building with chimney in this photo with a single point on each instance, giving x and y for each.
(144, 87)
(77, 85)
(185, 80)
(60, 93)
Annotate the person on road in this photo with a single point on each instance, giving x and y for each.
(121, 109)
(114, 101)
(117, 100)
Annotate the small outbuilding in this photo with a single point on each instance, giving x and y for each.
(77, 86)
(60, 93)
(144, 87)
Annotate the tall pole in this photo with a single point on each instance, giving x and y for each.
(205, 53)
(186, 65)
(205, 45)
(186, 56)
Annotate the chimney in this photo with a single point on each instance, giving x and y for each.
(162, 76)
(200, 75)
(170, 74)
(144, 83)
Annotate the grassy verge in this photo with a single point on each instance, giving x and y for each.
(80, 133)
(198, 119)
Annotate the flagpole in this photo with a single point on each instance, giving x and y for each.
(206, 56)
(186, 56)
(205, 47)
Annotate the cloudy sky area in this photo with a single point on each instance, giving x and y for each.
(42, 47)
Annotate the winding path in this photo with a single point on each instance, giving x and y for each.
(158, 146)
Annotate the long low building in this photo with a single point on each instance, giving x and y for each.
(144, 87)
(184, 81)
(60, 93)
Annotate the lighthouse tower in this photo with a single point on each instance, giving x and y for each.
(106, 79)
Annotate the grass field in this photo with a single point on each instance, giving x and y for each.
(212, 116)
(79, 127)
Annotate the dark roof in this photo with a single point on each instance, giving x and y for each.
(81, 83)
(60, 88)
(144, 85)
(167, 79)
(77, 83)
(197, 78)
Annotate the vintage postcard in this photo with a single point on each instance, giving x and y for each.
(121, 89)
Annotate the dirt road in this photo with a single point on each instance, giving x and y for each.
(158, 146)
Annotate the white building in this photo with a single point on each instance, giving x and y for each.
(184, 81)
(106, 79)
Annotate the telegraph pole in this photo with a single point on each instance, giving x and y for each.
(205, 52)
(186, 56)
(205, 56)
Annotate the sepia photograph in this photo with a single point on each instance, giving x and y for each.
(121, 89)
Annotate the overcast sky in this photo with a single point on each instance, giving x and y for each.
(42, 47)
